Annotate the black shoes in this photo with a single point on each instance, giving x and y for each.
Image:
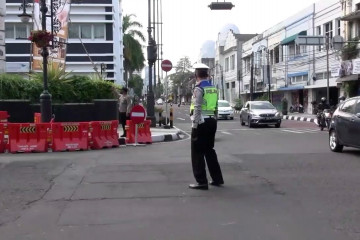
(199, 186)
(217, 184)
(123, 135)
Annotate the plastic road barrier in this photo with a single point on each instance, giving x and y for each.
(3, 132)
(144, 133)
(70, 136)
(37, 117)
(4, 116)
(104, 134)
(28, 137)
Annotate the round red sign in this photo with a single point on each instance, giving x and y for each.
(166, 65)
(137, 114)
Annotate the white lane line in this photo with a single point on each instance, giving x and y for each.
(182, 119)
(285, 130)
(226, 133)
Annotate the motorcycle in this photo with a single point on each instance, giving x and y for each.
(296, 108)
(324, 119)
(328, 116)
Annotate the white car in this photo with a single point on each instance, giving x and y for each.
(225, 110)
(159, 101)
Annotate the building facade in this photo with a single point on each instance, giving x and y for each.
(94, 44)
(228, 55)
(303, 74)
(2, 36)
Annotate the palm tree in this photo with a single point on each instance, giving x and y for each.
(133, 53)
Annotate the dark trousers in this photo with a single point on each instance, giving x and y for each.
(123, 119)
(202, 149)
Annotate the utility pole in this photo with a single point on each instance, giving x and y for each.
(268, 75)
(252, 78)
(327, 70)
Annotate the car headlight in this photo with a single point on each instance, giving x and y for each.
(277, 114)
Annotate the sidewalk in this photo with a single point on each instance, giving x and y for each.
(158, 134)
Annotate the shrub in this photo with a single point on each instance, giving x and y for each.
(63, 88)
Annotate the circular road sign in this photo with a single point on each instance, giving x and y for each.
(137, 114)
(166, 65)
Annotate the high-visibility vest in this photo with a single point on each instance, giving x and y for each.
(210, 98)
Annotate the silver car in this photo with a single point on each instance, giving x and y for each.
(259, 113)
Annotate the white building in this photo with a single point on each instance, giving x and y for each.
(2, 36)
(298, 73)
(228, 55)
(95, 39)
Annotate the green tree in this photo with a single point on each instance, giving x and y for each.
(133, 52)
(182, 78)
(137, 83)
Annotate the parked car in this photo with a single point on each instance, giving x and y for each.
(345, 125)
(159, 101)
(225, 110)
(259, 113)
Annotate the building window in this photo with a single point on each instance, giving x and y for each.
(227, 85)
(87, 31)
(297, 79)
(328, 30)
(232, 62)
(319, 76)
(357, 6)
(232, 84)
(338, 27)
(17, 31)
(226, 64)
(318, 32)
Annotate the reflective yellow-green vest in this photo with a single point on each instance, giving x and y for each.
(210, 99)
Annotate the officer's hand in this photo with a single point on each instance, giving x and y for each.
(194, 134)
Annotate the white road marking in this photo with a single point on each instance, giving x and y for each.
(182, 119)
(227, 133)
(292, 131)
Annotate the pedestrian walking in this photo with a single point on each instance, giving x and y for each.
(203, 111)
(124, 108)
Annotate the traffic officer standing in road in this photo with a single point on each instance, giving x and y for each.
(203, 112)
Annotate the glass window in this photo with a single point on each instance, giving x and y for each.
(74, 31)
(329, 30)
(319, 76)
(21, 31)
(99, 31)
(9, 30)
(232, 62)
(232, 84)
(86, 31)
(357, 107)
(223, 104)
(348, 106)
(262, 105)
(227, 85)
(318, 32)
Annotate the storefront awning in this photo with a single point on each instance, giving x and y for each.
(289, 88)
(352, 77)
(351, 16)
(292, 38)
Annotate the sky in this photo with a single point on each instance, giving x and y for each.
(187, 24)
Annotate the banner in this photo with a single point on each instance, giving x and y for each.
(57, 53)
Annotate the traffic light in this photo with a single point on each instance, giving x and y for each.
(152, 51)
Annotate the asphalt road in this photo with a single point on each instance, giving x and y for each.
(280, 184)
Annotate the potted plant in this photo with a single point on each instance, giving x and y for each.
(41, 38)
(284, 106)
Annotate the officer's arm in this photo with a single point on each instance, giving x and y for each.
(198, 95)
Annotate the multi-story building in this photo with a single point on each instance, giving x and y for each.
(297, 72)
(228, 55)
(2, 35)
(349, 73)
(94, 44)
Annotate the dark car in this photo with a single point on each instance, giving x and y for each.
(345, 125)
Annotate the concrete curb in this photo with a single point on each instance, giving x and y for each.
(295, 118)
(158, 138)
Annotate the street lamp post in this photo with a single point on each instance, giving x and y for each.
(151, 55)
(45, 97)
